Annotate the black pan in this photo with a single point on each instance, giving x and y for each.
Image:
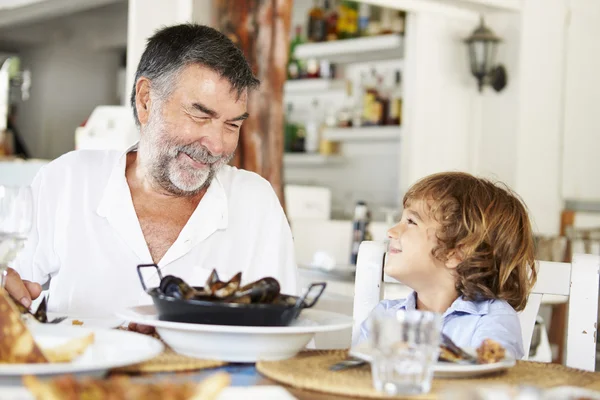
(221, 313)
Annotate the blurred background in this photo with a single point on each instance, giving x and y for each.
(368, 96)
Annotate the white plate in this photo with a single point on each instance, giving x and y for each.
(106, 323)
(111, 349)
(239, 343)
(450, 370)
(229, 393)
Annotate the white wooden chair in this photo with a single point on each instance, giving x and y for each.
(578, 280)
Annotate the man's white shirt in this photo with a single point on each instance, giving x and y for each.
(87, 238)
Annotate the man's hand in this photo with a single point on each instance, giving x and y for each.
(145, 329)
(23, 291)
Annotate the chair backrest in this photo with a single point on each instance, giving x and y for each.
(578, 280)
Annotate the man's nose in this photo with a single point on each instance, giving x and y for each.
(213, 138)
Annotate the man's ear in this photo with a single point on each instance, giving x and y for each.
(142, 99)
(455, 257)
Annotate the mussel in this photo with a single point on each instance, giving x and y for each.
(222, 290)
(265, 290)
(175, 287)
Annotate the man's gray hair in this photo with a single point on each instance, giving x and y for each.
(172, 48)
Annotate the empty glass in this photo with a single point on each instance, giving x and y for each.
(405, 348)
(16, 217)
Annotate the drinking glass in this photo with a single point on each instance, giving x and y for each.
(405, 349)
(16, 218)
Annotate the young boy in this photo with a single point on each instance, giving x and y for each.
(465, 246)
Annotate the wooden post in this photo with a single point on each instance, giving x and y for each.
(261, 29)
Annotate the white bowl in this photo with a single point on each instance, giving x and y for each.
(239, 343)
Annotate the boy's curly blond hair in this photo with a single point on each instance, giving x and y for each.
(488, 225)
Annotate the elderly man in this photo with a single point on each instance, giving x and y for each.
(171, 199)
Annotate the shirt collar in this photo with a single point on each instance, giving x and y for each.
(116, 206)
(460, 305)
(117, 182)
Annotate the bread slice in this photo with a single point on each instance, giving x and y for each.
(16, 342)
(122, 388)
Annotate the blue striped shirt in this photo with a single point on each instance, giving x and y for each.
(467, 323)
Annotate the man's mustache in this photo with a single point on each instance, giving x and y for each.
(200, 154)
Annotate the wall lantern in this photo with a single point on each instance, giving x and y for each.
(483, 45)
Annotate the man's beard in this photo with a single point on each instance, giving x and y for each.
(165, 160)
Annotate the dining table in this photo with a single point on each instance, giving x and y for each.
(307, 376)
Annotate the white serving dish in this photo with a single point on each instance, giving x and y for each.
(239, 343)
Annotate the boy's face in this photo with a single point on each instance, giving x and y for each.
(410, 259)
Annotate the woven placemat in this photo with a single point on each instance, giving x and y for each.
(168, 361)
(310, 370)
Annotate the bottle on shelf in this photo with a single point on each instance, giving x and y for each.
(358, 105)
(398, 22)
(395, 107)
(387, 18)
(295, 67)
(313, 128)
(381, 112)
(347, 26)
(371, 106)
(364, 15)
(344, 115)
(316, 23)
(313, 69)
(331, 19)
(360, 230)
(290, 130)
(328, 147)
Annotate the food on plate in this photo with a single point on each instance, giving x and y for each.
(17, 345)
(490, 351)
(122, 388)
(70, 350)
(262, 291)
(448, 355)
(77, 322)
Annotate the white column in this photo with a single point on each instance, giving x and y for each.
(147, 16)
(581, 159)
(540, 113)
(439, 95)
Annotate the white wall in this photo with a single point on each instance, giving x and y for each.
(581, 140)
(494, 151)
(74, 68)
(439, 95)
(540, 114)
(67, 84)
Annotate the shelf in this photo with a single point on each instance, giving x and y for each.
(378, 133)
(365, 49)
(309, 86)
(310, 160)
(463, 9)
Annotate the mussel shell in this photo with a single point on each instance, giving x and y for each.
(173, 286)
(264, 291)
(229, 287)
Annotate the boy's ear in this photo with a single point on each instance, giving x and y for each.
(454, 259)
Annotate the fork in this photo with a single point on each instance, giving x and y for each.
(57, 320)
(467, 357)
(350, 362)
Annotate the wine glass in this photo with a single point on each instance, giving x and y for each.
(16, 218)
